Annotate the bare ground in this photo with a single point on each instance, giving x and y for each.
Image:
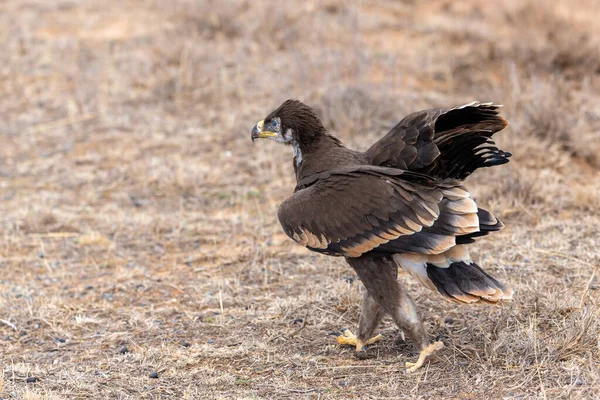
(138, 223)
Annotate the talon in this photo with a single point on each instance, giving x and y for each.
(374, 339)
(348, 338)
(423, 356)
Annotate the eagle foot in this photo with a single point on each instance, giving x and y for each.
(424, 355)
(348, 338)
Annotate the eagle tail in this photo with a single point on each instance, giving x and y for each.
(463, 138)
(455, 275)
(465, 282)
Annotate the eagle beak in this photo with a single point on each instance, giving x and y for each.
(255, 133)
(258, 133)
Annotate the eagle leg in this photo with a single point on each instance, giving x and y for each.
(407, 318)
(379, 275)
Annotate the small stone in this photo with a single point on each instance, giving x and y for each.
(210, 341)
(124, 350)
(135, 201)
(448, 320)
(183, 343)
(298, 321)
(88, 287)
(153, 375)
(31, 379)
(60, 340)
(363, 355)
(578, 382)
(342, 383)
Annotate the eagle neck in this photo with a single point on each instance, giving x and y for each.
(322, 142)
(324, 153)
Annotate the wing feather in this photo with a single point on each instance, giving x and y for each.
(445, 143)
(375, 210)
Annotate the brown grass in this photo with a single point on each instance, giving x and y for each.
(134, 211)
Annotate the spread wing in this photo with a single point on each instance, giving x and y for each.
(445, 143)
(378, 211)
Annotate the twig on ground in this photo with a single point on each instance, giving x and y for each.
(587, 285)
(568, 257)
(43, 127)
(9, 324)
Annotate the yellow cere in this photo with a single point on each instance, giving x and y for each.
(264, 134)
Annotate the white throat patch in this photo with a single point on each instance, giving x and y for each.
(297, 154)
(287, 136)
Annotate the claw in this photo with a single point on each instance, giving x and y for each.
(374, 339)
(348, 338)
(423, 356)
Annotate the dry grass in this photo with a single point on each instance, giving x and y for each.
(134, 211)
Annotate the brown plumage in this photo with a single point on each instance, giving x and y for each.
(400, 203)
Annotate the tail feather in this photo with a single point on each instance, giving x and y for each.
(467, 283)
(454, 275)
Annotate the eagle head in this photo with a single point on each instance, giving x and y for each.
(293, 122)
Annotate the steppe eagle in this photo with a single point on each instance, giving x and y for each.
(399, 204)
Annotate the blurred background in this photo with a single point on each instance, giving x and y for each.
(138, 228)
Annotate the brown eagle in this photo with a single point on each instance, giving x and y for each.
(399, 204)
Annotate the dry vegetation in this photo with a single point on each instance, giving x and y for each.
(138, 223)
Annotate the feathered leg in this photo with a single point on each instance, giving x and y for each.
(370, 317)
(379, 277)
(371, 314)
